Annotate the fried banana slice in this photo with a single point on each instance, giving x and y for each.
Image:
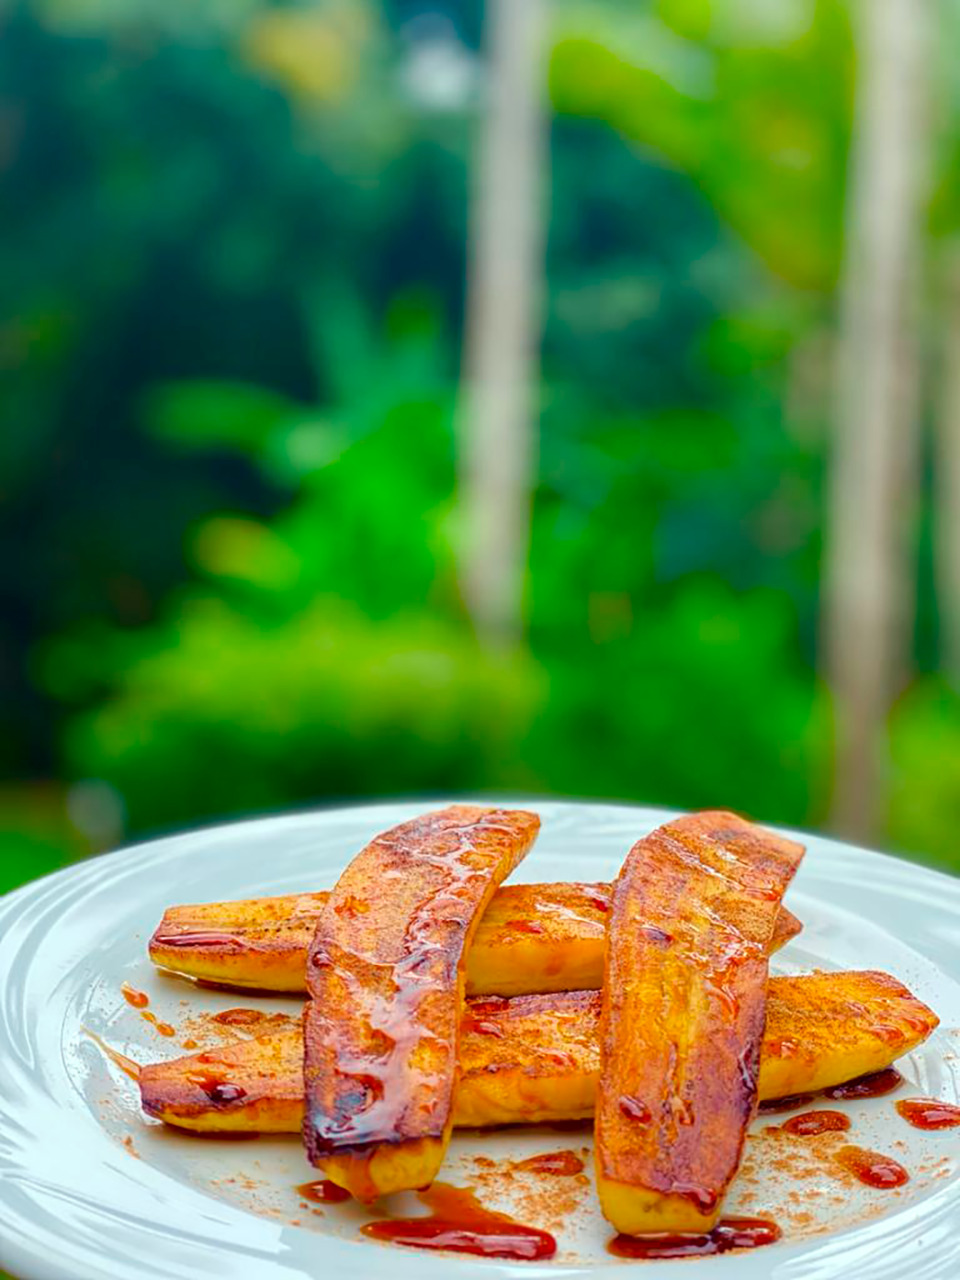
(386, 974)
(684, 1000)
(537, 1058)
(533, 937)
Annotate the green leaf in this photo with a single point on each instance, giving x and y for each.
(205, 414)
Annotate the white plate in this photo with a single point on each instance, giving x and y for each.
(88, 1189)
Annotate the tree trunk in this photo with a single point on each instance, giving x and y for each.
(498, 447)
(874, 464)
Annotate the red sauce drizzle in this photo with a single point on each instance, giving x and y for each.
(458, 1223)
(481, 1027)
(634, 1109)
(597, 900)
(810, 1123)
(525, 926)
(481, 1007)
(874, 1085)
(563, 1164)
(196, 938)
(559, 1057)
(217, 1090)
(777, 1106)
(929, 1113)
(872, 1168)
(323, 1192)
(729, 1233)
(138, 999)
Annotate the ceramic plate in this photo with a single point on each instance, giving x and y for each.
(89, 1189)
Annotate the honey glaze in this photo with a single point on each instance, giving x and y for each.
(138, 999)
(872, 1168)
(141, 1001)
(453, 855)
(811, 1123)
(162, 1028)
(874, 1085)
(323, 1192)
(459, 1223)
(728, 1234)
(929, 1113)
(563, 1164)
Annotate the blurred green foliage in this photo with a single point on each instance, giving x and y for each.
(233, 244)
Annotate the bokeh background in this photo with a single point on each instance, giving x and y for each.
(416, 397)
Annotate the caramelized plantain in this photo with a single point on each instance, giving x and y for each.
(259, 944)
(533, 937)
(683, 1008)
(386, 974)
(537, 1058)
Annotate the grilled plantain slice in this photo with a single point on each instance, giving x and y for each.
(533, 937)
(386, 973)
(537, 1058)
(684, 998)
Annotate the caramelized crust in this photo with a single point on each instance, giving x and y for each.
(386, 977)
(683, 1009)
(260, 944)
(533, 937)
(537, 1058)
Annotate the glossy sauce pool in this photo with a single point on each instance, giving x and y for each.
(874, 1085)
(872, 1168)
(808, 1124)
(929, 1113)
(323, 1192)
(458, 1222)
(777, 1106)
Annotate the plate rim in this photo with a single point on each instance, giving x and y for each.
(38, 1261)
